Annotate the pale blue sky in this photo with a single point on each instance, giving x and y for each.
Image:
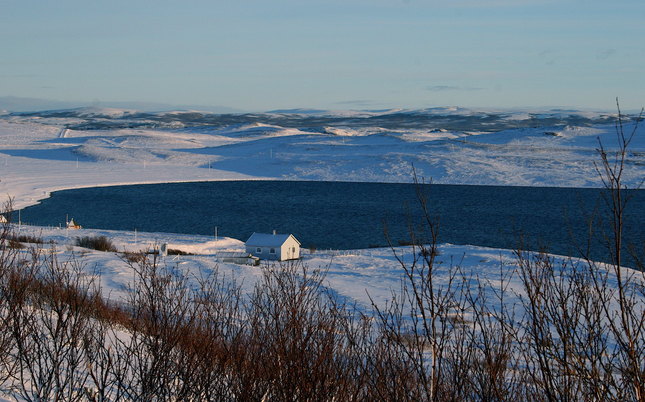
(332, 54)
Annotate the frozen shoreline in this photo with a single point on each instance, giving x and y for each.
(39, 156)
(357, 275)
(36, 159)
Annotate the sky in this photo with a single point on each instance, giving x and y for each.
(259, 55)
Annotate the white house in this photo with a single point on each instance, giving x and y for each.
(274, 246)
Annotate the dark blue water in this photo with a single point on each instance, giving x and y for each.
(348, 215)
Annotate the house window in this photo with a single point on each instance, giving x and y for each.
(272, 251)
(293, 250)
(258, 250)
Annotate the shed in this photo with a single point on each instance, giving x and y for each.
(3, 219)
(73, 225)
(237, 257)
(280, 247)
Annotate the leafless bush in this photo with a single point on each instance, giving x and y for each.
(100, 243)
(26, 238)
(10, 296)
(562, 331)
(297, 337)
(173, 251)
(133, 257)
(577, 333)
(48, 314)
(422, 326)
(623, 307)
(160, 317)
(214, 342)
(584, 328)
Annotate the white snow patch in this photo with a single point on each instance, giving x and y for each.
(38, 157)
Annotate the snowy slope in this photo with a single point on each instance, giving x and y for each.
(48, 151)
(354, 275)
(357, 277)
(44, 152)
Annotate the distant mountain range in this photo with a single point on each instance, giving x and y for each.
(16, 104)
(313, 120)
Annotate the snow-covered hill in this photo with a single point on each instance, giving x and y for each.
(45, 151)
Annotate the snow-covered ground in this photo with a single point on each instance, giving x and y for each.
(42, 153)
(357, 277)
(361, 278)
(354, 276)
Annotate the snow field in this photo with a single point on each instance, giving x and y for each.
(39, 155)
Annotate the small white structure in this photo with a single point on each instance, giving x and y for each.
(3, 219)
(73, 225)
(280, 247)
(237, 257)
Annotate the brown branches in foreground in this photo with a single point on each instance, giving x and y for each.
(447, 335)
(542, 330)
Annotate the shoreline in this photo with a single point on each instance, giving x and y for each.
(36, 199)
(35, 160)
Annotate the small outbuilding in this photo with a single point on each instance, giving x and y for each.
(280, 247)
(237, 257)
(3, 219)
(73, 225)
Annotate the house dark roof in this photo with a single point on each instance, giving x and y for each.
(268, 240)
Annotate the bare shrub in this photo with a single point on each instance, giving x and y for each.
(48, 318)
(100, 243)
(623, 309)
(172, 251)
(160, 317)
(10, 297)
(560, 327)
(418, 325)
(15, 244)
(26, 239)
(214, 342)
(296, 339)
(584, 328)
(578, 332)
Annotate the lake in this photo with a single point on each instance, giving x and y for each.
(342, 215)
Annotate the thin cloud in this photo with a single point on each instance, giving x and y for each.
(549, 57)
(357, 102)
(499, 3)
(19, 75)
(605, 54)
(461, 3)
(444, 88)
